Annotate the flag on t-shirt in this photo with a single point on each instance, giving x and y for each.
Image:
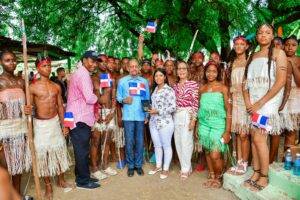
(260, 121)
(151, 27)
(69, 120)
(105, 80)
(137, 89)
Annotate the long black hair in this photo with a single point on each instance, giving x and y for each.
(270, 55)
(163, 71)
(232, 56)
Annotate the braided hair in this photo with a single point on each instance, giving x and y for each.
(270, 55)
(232, 56)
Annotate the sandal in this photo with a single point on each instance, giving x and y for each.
(242, 168)
(217, 182)
(211, 175)
(152, 172)
(184, 176)
(249, 182)
(207, 183)
(257, 187)
(232, 170)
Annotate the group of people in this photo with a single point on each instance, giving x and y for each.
(114, 103)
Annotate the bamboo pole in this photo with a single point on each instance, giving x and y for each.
(29, 117)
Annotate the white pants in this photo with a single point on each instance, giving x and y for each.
(162, 144)
(184, 141)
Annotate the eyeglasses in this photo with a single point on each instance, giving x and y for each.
(181, 68)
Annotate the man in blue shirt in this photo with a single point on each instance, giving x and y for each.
(131, 90)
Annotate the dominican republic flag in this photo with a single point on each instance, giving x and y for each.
(260, 121)
(69, 120)
(105, 81)
(151, 27)
(137, 89)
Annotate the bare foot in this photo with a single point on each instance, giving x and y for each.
(48, 191)
(67, 187)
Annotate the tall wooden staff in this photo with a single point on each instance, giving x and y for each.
(29, 118)
(192, 45)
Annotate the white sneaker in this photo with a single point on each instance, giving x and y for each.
(99, 175)
(152, 172)
(110, 171)
(163, 176)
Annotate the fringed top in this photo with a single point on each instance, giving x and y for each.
(12, 118)
(258, 74)
(12, 102)
(259, 84)
(237, 75)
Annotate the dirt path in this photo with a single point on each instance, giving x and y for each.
(121, 187)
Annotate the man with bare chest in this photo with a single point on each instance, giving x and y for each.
(51, 150)
(147, 71)
(14, 148)
(102, 131)
(170, 70)
(197, 68)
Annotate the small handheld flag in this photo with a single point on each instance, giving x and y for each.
(260, 121)
(137, 89)
(69, 120)
(151, 27)
(105, 81)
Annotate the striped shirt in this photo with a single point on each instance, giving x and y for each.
(187, 96)
(81, 98)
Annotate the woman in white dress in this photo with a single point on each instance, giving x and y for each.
(265, 77)
(240, 117)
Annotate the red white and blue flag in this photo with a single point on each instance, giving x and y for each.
(105, 81)
(137, 89)
(151, 27)
(260, 121)
(69, 120)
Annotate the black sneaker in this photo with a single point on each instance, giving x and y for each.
(140, 171)
(88, 186)
(130, 172)
(94, 180)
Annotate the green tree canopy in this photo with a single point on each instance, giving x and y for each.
(112, 26)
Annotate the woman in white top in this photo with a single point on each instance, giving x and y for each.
(265, 77)
(163, 104)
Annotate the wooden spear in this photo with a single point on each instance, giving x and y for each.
(29, 117)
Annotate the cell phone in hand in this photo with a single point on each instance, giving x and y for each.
(146, 105)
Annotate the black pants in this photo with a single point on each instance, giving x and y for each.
(80, 137)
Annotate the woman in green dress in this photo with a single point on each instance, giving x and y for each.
(214, 119)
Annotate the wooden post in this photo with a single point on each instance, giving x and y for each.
(29, 117)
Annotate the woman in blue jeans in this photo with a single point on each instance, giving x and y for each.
(161, 122)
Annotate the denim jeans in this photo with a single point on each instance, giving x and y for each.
(134, 143)
(80, 137)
